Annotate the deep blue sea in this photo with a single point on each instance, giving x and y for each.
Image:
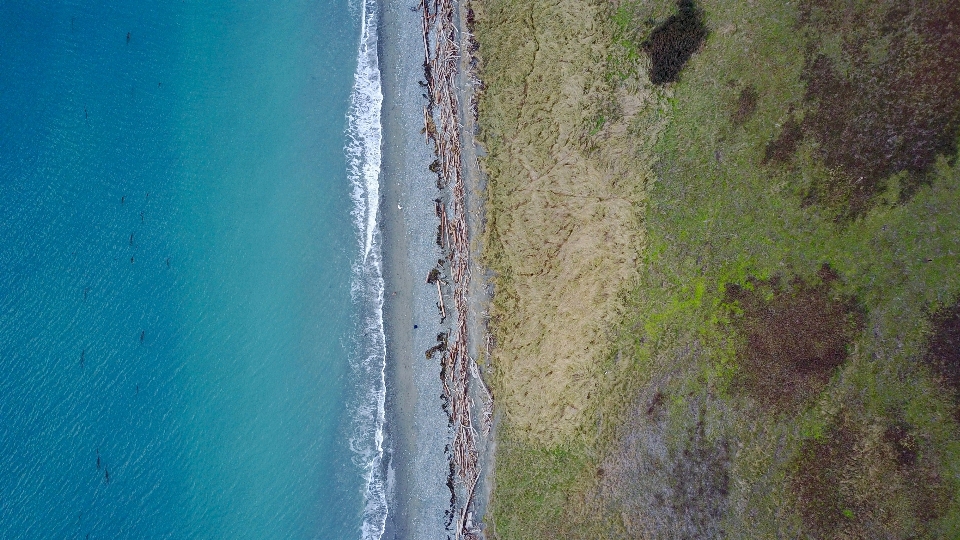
(190, 288)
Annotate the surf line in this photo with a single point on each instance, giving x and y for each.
(442, 126)
(364, 136)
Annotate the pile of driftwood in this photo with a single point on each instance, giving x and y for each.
(472, 63)
(442, 127)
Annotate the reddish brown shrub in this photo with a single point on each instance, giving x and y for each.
(746, 105)
(943, 351)
(894, 104)
(782, 148)
(793, 336)
(862, 482)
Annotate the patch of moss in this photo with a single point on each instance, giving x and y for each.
(537, 489)
(729, 205)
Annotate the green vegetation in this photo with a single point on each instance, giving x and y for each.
(538, 490)
(786, 362)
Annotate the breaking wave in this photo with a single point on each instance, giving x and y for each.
(364, 135)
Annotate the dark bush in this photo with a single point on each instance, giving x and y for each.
(902, 442)
(671, 44)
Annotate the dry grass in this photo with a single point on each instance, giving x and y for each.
(565, 200)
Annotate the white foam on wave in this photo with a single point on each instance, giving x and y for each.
(364, 130)
(364, 135)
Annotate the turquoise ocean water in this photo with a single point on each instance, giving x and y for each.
(190, 288)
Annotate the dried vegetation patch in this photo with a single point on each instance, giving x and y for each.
(566, 192)
(794, 335)
(879, 480)
(667, 477)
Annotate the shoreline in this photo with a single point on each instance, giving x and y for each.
(480, 293)
(427, 499)
(466, 397)
(416, 426)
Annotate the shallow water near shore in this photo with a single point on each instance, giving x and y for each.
(177, 326)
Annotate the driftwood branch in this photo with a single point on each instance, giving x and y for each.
(443, 126)
(443, 312)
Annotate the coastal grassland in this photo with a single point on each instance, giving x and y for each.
(568, 125)
(781, 365)
(787, 293)
(569, 160)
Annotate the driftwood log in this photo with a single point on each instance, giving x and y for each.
(443, 127)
